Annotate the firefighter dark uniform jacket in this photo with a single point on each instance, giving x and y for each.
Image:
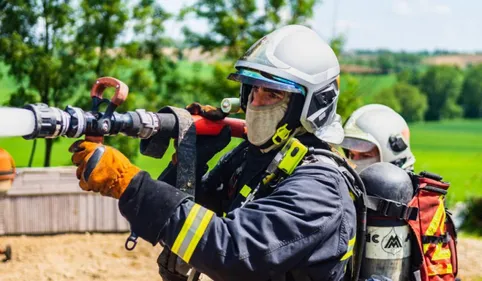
(303, 229)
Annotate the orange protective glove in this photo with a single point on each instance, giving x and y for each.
(102, 168)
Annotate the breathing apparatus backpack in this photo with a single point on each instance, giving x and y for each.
(410, 234)
(435, 252)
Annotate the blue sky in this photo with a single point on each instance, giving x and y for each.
(394, 24)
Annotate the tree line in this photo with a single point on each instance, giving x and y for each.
(439, 92)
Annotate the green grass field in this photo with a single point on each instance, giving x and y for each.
(370, 85)
(452, 149)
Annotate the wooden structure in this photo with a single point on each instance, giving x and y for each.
(49, 201)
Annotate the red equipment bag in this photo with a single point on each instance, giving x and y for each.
(435, 253)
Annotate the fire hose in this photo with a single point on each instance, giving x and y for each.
(73, 122)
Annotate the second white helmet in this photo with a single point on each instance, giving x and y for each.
(379, 125)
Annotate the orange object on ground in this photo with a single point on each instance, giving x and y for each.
(7, 166)
(7, 170)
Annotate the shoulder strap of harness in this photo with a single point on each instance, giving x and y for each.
(283, 164)
(390, 208)
(359, 196)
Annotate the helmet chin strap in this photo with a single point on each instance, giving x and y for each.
(298, 131)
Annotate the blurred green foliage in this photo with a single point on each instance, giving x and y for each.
(471, 96)
(404, 99)
(442, 85)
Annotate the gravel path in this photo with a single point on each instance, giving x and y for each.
(85, 257)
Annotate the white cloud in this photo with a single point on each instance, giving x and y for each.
(401, 7)
(442, 10)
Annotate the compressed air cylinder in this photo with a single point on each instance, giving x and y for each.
(387, 249)
(231, 105)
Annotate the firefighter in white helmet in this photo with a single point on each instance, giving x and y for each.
(376, 133)
(299, 227)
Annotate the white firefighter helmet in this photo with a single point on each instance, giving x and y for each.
(295, 59)
(379, 126)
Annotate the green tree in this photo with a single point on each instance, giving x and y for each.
(57, 49)
(386, 62)
(101, 23)
(337, 43)
(471, 98)
(34, 43)
(151, 39)
(140, 63)
(404, 99)
(413, 102)
(389, 98)
(349, 99)
(234, 25)
(410, 76)
(442, 85)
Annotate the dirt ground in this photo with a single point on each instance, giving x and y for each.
(85, 257)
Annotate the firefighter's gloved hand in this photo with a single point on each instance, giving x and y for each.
(102, 168)
(208, 146)
(207, 111)
(171, 267)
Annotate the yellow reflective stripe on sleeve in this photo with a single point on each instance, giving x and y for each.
(191, 232)
(438, 218)
(349, 250)
(245, 191)
(197, 236)
(185, 227)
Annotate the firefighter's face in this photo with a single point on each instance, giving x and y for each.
(265, 110)
(364, 159)
(264, 96)
(357, 155)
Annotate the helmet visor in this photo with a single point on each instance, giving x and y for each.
(358, 145)
(265, 80)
